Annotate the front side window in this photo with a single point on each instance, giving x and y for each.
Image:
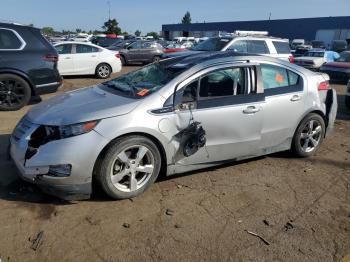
(257, 47)
(135, 45)
(63, 49)
(81, 49)
(9, 40)
(226, 82)
(239, 46)
(212, 44)
(275, 77)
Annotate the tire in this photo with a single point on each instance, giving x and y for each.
(103, 71)
(122, 59)
(119, 172)
(15, 92)
(156, 59)
(309, 135)
(347, 101)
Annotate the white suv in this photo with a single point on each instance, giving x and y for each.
(260, 44)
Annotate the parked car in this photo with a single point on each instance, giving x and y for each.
(339, 45)
(339, 69)
(172, 48)
(141, 52)
(178, 115)
(87, 59)
(296, 42)
(318, 44)
(28, 66)
(105, 41)
(301, 50)
(315, 58)
(347, 95)
(253, 44)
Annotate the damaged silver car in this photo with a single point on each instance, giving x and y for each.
(170, 117)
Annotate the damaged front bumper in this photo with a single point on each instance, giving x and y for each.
(79, 152)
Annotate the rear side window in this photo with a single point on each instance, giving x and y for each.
(64, 49)
(80, 49)
(275, 77)
(281, 47)
(257, 47)
(9, 40)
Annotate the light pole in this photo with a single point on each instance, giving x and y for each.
(109, 10)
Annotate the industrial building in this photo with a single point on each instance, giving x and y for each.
(318, 28)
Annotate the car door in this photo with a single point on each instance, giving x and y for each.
(86, 58)
(65, 63)
(285, 92)
(230, 109)
(134, 51)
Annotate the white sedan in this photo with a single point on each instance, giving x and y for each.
(87, 59)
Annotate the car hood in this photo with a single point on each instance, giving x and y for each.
(80, 106)
(338, 64)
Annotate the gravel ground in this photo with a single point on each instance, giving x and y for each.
(299, 207)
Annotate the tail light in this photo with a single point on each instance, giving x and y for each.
(50, 58)
(291, 59)
(323, 86)
(117, 55)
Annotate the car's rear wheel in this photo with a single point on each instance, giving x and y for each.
(129, 166)
(103, 71)
(309, 135)
(14, 92)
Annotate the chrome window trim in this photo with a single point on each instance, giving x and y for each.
(19, 38)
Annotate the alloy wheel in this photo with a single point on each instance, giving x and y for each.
(104, 71)
(12, 93)
(310, 136)
(132, 168)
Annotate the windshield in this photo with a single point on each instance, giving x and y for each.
(315, 54)
(212, 44)
(344, 57)
(144, 81)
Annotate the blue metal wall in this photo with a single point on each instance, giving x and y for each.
(304, 28)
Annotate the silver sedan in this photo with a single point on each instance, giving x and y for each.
(170, 117)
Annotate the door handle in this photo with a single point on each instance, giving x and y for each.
(68, 58)
(295, 98)
(251, 110)
(93, 56)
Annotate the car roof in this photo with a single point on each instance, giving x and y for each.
(77, 42)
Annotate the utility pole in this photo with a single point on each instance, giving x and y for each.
(109, 10)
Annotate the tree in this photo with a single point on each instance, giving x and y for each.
(111, 27)
(47, 30)
(154, 34)
(137, 33)
(187, 18)
(78, 30)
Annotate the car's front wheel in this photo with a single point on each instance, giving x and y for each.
(129, 166)
(103, 71)
(15, 92)
(309, 135)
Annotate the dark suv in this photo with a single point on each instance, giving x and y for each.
(28, 66)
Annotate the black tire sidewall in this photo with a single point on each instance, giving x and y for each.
(98, 75)
(27, 94)
(123, 60)
(296, 147)
(114, 149)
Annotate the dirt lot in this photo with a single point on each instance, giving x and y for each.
(301, 207)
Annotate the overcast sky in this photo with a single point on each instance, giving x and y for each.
(149, 15)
